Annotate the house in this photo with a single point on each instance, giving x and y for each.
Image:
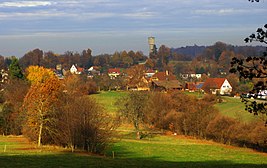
(217, 86)
(94, 68)
(190, 86)
(93, 71)
(3, 76)
(163, 76)
(193, 86)
(166, 85)
(149, 73)
(165, 81)
(114, 73)
(76, 70)
(190, 75)
(142, 85)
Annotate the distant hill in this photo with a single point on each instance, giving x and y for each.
(189, 51)
(193, 51)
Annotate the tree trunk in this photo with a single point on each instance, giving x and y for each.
(40, 134)
(138, 136)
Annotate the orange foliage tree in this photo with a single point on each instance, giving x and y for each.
(40, 103)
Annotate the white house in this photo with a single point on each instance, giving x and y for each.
(218, 85)
(75, 70)
(191, 75)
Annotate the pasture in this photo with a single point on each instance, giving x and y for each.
(126, 151)
(157, 151)
(234, 108)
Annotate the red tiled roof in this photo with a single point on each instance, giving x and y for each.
(79, 69)
(164, 76)
(150, 71)
(114, 70)
(215, 83)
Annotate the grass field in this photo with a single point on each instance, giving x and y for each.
(155, 151)
(108, 99)
(233, 107)
(158, 151)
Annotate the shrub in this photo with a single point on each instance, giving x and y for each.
(157, 108)
(211, 98)
(219, 129)
(84, 125)
(195, 121)
(258, 135)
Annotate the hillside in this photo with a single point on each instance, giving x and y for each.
(195, 50)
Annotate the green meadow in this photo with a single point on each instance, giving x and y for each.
(126, 151)
(157, 151)
(233, 107)
(108, 99)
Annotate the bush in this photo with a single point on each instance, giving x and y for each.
(258, 134)
(157, 109)
(195, 121)
(84, 125)
(219, 129)
(211, 98)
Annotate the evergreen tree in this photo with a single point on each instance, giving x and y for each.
(15, 71)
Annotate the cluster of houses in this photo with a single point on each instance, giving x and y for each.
(157, 81)
(151, 80)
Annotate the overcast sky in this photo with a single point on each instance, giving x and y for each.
(106, 26)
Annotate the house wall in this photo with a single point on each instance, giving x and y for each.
(73, 69)
(226, 88)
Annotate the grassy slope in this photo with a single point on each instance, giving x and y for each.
(108, 99)
(157, 151)
(233, 107)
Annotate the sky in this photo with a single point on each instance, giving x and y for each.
(106, 26)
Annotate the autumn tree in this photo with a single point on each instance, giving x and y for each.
(84, 124)
(34, 57)
(159, 107)
(135, 76)
(164, 54)
(225, 60)
(132, 108)
(40, 103)
(127, 61)
(14, 92)
(50, 59)
(86, 58)
(2, 62)
(116, 59)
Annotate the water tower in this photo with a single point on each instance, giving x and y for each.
(151, 42)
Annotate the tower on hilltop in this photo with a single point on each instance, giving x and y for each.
(152, 45)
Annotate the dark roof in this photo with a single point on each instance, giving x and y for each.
(164, 76)
(172, 84)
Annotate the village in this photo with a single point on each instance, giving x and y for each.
(151, 80)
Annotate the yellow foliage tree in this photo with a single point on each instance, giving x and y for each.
(37, 74)
(40, 102)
